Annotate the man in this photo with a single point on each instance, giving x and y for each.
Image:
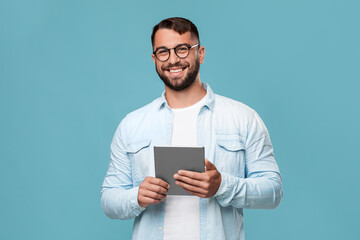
(241, 171)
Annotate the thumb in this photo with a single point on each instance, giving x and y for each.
(209, 165)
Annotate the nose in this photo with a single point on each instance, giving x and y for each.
(173, 58)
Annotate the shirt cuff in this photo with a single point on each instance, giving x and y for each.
(134, 201)
(227, 181)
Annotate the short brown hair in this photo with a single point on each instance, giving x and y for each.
(179, 25)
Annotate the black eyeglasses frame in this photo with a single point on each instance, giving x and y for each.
(169, 49)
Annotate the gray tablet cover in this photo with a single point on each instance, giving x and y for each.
(169, 160)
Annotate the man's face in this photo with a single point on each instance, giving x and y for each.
(177, 73)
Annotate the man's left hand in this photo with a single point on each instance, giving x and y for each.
(204, 184)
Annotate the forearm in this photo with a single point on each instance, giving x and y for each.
(119, 203)
(258, 192)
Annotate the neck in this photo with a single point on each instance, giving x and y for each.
(186, 97)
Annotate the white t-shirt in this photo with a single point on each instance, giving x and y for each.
(182, 213)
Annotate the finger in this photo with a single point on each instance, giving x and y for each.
(147, 200)
(191, 174)
(188, 180)
(209, 165)
(158, 181)
(156, 188)
(191, 188)
(152, 195)
(196, 194)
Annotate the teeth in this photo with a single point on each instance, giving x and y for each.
(175, 70)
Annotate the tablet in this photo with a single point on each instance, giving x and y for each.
(169, 160)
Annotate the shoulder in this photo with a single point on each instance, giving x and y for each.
(139, 114)
(236, 115)
(137, 118)
(225, 104)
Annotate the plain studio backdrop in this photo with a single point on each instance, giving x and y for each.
(71, 70)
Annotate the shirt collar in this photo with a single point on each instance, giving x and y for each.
(210, 98)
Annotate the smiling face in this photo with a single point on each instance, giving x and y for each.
(178, 73)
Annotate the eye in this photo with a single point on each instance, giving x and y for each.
(162, 52)
(182, 49)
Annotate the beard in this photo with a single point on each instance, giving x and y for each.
(176, 84)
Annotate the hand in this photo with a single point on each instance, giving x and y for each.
(203, 185)
(151, 191)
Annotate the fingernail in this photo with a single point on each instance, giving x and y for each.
(176, 175)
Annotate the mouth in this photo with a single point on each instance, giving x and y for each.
(176, 71)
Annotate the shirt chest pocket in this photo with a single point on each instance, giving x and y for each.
(140, 155)
(230, 156)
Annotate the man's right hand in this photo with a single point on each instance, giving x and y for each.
(151, 191)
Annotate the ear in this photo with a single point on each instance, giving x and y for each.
(201, 54)
(153, 57)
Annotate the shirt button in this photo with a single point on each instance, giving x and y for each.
(160, 228)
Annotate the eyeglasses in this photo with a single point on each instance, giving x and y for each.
(181, 50)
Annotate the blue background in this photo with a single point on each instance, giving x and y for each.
(71, 70)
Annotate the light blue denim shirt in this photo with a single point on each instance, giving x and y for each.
(235, 140)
